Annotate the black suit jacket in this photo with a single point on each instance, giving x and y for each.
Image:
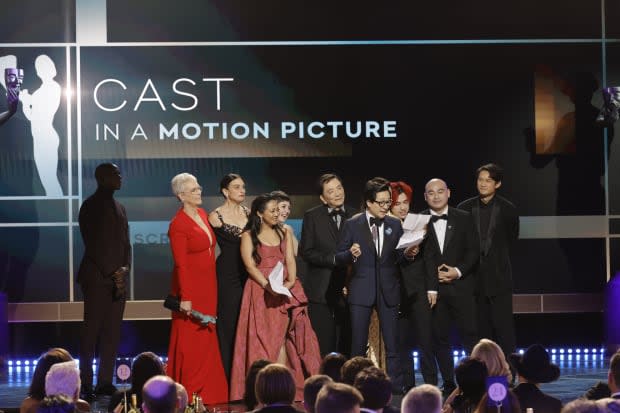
(105, 232)
(323, 280)
(363, 284)
(530, 396)
(494, 273)
(461, 250)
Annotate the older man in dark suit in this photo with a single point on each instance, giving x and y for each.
(368, 243)
(324, 280)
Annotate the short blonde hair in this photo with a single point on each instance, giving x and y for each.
(491, 354)
(63, 378)
(179, 181)
(275, 384)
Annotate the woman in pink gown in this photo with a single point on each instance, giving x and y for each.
(272, 326)
(194, 355)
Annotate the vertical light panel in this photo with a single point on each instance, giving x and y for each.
(90, 22)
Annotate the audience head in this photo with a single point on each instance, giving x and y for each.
(613, 376)
(471, 375)
(436, 194)
(159, 395)
(608, 405)
(535, 366)
(144, 366)
(425, 398)
(331, 365)
(275, 384)
(249, 396)
(182, 397)
(377, 197)
(58, 403)
(583, 406)
(375, 387)
(232, 188)
(493, 357)
(401, 199)
(330, 190)
(284, 205)
(63, 378)
(312, 386)
(508, 406)
(47, 360)
(353, 366)
(338, 398)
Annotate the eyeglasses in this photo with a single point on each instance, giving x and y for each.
(383, 204)
(195, 190)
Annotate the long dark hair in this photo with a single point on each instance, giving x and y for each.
(254, 222)
(47, 360)
(144, 366)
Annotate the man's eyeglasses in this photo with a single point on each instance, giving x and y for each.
(383, 204)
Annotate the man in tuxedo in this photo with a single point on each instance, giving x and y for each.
(102, 277)
(368, 243)
(450, 255)
(324, 280)
(496, 223)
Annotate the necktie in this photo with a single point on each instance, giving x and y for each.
(436, 218)
(337, 215)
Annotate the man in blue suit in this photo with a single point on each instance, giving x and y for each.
(368, 243)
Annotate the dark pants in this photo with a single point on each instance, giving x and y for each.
(388, 320)
(460, 310)
(332, 326)
(406, 342)
(422, 324)
(496, 321)
(101, 328)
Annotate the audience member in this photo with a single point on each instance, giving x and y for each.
(508, 406)
(338, 398)
(144, 366)
(425, 398)
(471, 375)
(275, 389)
(182, 398)
(352, 367)
(58, 403)
(534, 367)
(608, 405)
(491, 354)
(582, 406)
(36, 392)
(375, 387)
(312, 386)
(613, 375)
(249, 396)
(159, 395)
(332, 365)
(63, 378)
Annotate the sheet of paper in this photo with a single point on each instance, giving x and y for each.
(415, 222)
(411, 239)
(276, 280)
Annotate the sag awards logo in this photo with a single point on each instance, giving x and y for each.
(39, 107)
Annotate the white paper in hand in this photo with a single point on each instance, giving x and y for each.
(414, 230)
(276, 280)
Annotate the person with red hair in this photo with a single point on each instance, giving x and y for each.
(401, 199)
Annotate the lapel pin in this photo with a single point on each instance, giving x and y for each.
(388, 230)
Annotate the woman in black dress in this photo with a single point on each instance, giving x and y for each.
(228, 221)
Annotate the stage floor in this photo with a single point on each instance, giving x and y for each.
(578, 373)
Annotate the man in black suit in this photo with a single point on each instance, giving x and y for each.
(102, 277)
(450, 256)
(324, 280)
(496, 223)
(368, 243)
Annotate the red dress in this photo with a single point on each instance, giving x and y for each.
(194, 355)
(263, 328)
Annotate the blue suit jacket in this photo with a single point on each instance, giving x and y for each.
(370, 277)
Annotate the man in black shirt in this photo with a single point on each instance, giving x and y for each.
(497, 223)
(102, 276)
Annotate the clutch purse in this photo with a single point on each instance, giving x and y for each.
(173, 303)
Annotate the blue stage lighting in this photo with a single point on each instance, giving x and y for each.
(585, 350)
(18, 363)
(455, 353)
(10, 363)
(577, 350)
(553, 351)
(415, 354)
(569, 351)
(561, 351)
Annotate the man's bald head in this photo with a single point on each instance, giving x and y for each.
(436, 194)
(159, 395)
(435, 181)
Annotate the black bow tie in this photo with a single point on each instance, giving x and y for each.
(436, 218)
(335, 212)
(376, 221)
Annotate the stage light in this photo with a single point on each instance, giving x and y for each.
(455, 353)
(553, 351)
(569, 351)
(602, 350)
(561, 351)
(577, 350)
(18, 363)
(27, 362)
(415, 354)
(521, 351)
(10, 363)
(585, 350)
(463, 353)
(593, 351)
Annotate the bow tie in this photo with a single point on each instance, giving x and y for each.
(335, 212)
(376, 221)
(436, 218)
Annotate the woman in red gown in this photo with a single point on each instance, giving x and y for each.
(272, 326)
(194, 355)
